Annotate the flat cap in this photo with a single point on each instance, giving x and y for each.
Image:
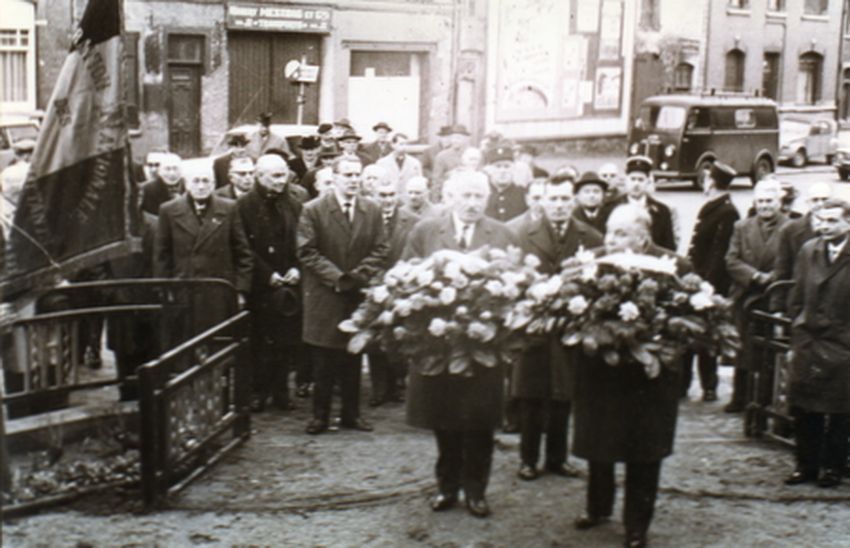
(348, 135)
(381, 125)
(722, 173)
(639, 163)
(498, 154)
(310, 142)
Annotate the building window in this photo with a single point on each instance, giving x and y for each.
(809, 78)
(650, 18)
(775, 5)
(14, 49)
(770, 75)
(683, 76)
(816, 7)
(131, 64)
(739, 4)
(734, 70)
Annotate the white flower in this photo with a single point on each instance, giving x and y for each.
(425, 276)
(481, 331)
(403, 307)
(531, 261)
(472, 265)
(511, 292)
(451, 271)
(706, 288)
(701, 301)
(460, 281)
(437, 327)
(438, 285)
(399, 332)
(584, 256)
(577, 305)
(628, 311)
(380, 294)
(448, 295)
(486, 315)
(494, 287)
(386, 317)
(545, 290)
(462, 310)
(589, 272)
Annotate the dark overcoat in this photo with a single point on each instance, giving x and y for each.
(620, 414)
(792, 236)
(400, 225)
(374, 151)
(820, 334)
(221, 167)
(452, 402)
(507, 204)
(328, 246)
(661, 231)
(710, 241)
(187, 248)
(270, 224)
(299, 168)
(547, 370)
(154, 194)
(598, 221)
(751, 251)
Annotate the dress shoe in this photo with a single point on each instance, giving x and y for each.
(587, 521)
(303, 390)
(734, 407)
(357, 424)
(443, 501)
(800, 476)
(478, 507)
(316, 426)
(709, 395)
(527, 472)
(829, 478)
(635, 540)
(562, 469)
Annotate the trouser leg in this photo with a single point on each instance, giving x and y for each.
(600, 489)
(530, 430)
(477, 461)
(557, 433)
(740, 386)
(707, 365)
(378, 374)
(449, 460)
(808, 432)
(349, 377)
(641, 491)
(304, 371)
(324, 375)
(834, 455)
(687, 373)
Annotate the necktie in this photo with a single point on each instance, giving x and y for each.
(560, 229)
(832, 252)
(400, 161)
(462, 240)
(346, 210)
(387, 220)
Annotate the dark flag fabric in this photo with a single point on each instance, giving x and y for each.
(73, 210)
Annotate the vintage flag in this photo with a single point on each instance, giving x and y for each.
(74, 209)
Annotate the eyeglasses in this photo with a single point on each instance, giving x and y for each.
(243, 173)
(152, 164)
(386, 194)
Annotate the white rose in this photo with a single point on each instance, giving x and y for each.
(706, 288)
(425, 276)
(380, 294)
(403, 307)
(486, 315)
(386, 317)
(462, 310)
(437, 327)
(628, 311)
(448, 295)
(494, 287)
(701, 301)
(531, 261)
(589, 272)
(577, 305)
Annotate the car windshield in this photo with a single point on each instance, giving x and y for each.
(794, 127)
(27, 131)
(662, 118)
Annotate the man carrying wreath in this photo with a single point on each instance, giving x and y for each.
(462, 411)
(621, 414)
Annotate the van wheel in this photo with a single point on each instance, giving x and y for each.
(762, 168)
(799, 159)
(699, 180)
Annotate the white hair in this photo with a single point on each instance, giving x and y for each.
(197, 167)
(631, 214)
(270, 161)
(458, 180)
(768, 186)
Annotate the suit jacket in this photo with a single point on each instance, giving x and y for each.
(662, 231)
(521, 223)
(819, 380)
(400, 225)
(507, 204)
(300, 168)
(308, 182)
(597, 222)
(445, 161)
(450, 402)
(546, 371)
(792, 236)
(410, 167)
(374, 151)
(154, 194)
(221, 165)
(226, 192)
(329, 246)
(710, 241)
(751, 252)
(620, 414)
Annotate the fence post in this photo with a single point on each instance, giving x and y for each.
(149, 438)
(242, 378)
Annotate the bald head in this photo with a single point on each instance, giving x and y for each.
(767, 198)
(199, 177)
(466, 193)
(373, 177)
(170, 168)
(272, 173)
(817, 194)
(417, 191)
(628, 228)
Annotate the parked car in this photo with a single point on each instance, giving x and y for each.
(291, 132)
(12, 130)
(801, 140)
(842, 156)
(684, 134)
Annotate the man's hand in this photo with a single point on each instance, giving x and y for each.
(292, 277)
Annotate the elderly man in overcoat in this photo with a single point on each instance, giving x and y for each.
(749, 261)
(342, 245)
(463, 412)
(200, 235)
(622, 415)
(269, 213)
(819, 380)
(542, 382)
(709, 244)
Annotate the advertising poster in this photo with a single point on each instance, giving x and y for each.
(606, 93)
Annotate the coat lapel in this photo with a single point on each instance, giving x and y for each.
(841, 262)
(335, 211)
(214, 220)
(541, 240)
(446, 234)
(186, 219)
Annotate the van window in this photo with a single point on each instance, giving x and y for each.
(724, 118)
(670, 117)
(745, 118)
(766, 118)
(699, 118)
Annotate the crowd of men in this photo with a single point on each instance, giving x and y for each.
(299, 235)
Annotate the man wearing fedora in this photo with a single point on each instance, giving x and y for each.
(401, 166)
(707, 252)
(327, 155)
(430, 154)
(381, 146)
(349, 144)
(308, 157)
(590, 195)
(448, 159)
(236, 148)
(269, 214)
(264, 139)
(507, 200)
